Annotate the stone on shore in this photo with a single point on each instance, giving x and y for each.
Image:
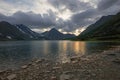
(37, 61)
(65, 77)
(116, 61)
(24, 67)
(53, 78)
(89, 67)
(111, 54)
(1, 72)
(11, 77)
(55, 68)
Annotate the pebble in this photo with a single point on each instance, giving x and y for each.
(47, 71)
(74, 61)
(111, 54)
(24, 67)
(11, 77)
(56, 68)
(64, 77)
(85, 59)
(47, 64)
(37, 61)
(1, 72)
(73, 58)
(67, 72)
(93, 74)
(53, 78)
(116, 61)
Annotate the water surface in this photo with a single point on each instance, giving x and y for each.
(13, 54)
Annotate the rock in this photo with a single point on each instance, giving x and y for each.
(53, 78)
(55, 68)
(73, 58)
(1, 72)
(111, 54)
(37, 61)
(24, 67)
(93, 74)
(65, 77)
(47, 64)
(67, 72)
(47, 71)
(74, 61)
(11, 77)
(116, 61)
(37, 68)
(85, 59)
(33, 64)
(29, 64)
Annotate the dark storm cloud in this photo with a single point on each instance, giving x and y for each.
(30, 18)
(83, 18)
(86, 17)
(82, 13)
(67, 26)
(105, 4)
(73, 5)
(80, 20)
(19, 2)
(89, 16)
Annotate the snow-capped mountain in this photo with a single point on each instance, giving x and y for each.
(17, 32)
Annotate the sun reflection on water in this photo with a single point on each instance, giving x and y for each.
(79, 48)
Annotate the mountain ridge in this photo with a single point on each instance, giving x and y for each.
(21, 32)
(107, 30)
(54, 34)
(16, 32)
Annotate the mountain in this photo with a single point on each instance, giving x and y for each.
(22, 32)
(17, 32)
(107, 28)
(54, 34)
(97, 24)
(24, 29)
(67, 36)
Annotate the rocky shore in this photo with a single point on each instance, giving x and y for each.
(103, 66)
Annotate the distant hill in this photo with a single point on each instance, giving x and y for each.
(17, 32)
(22, 32)
(29, 32)
(107, 28)
(54, 34)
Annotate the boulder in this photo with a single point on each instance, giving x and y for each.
(11, 77)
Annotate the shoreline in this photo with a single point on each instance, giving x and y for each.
(103, 66)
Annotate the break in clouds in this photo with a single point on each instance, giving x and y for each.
(67, 15)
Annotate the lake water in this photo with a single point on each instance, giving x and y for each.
(13, 54)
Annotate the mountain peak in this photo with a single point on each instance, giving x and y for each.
(54, 34)
(20, 24)
(106, 28)
(4, 22)
(53, 29)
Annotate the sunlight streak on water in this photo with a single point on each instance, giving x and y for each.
(16, 53)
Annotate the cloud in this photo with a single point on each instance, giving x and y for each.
(105, 4)
(73, 5)
(30, 18)
(68, 15)
(81, 18)
(10, 7)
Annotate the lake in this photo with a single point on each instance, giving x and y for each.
(14, 54)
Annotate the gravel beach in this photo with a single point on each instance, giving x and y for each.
(103, 66)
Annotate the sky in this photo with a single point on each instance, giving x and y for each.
(68, 16)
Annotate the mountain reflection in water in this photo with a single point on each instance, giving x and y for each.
(13, 54)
